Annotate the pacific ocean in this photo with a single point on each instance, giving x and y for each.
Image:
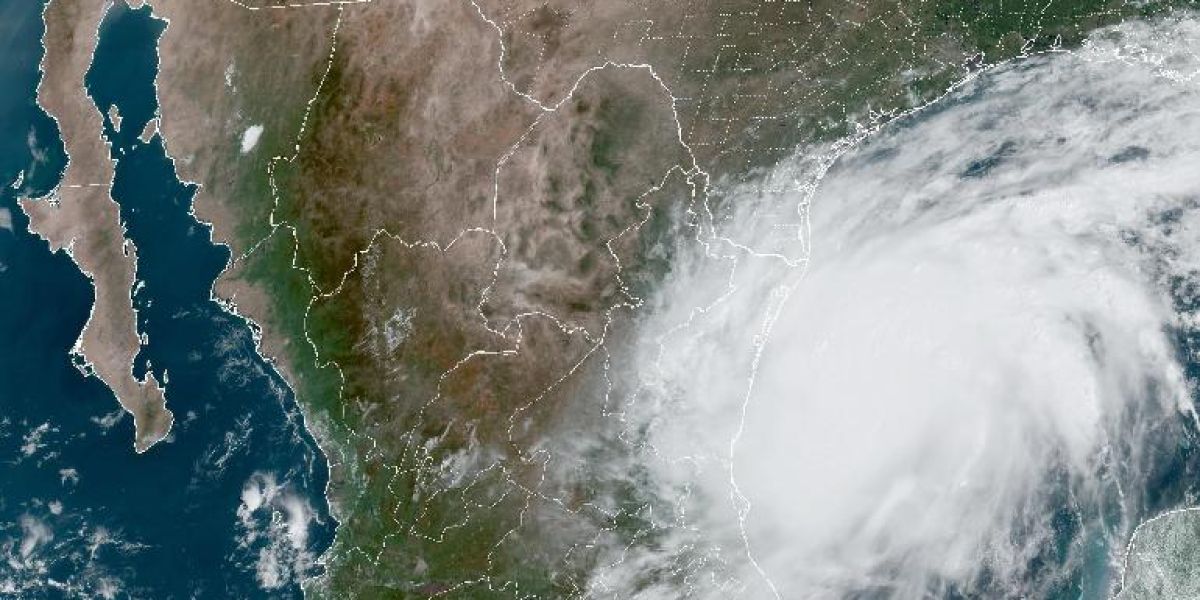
(232, 503)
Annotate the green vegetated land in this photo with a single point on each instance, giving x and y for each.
(406, 533)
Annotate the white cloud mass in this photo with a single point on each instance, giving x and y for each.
(273, 532)
(250, 138)
(972, 344)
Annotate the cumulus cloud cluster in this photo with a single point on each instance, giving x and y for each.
(273, 532)
(953, 388)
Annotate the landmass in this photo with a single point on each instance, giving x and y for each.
(217, 79)
(82, 218)
(1160, 561)
(445, 217)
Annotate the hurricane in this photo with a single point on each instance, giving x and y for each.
(970, 372)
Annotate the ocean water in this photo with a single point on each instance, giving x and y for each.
(230, 505)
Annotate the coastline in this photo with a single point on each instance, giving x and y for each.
(201, 118)
(238, 429)
(81, 218)
(202, 115)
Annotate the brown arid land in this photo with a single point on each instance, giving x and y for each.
(83, 219)
(224, 69)
(465, 242)
(469, 244)
(459, 205)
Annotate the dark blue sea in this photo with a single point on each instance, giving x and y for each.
(232, 504)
